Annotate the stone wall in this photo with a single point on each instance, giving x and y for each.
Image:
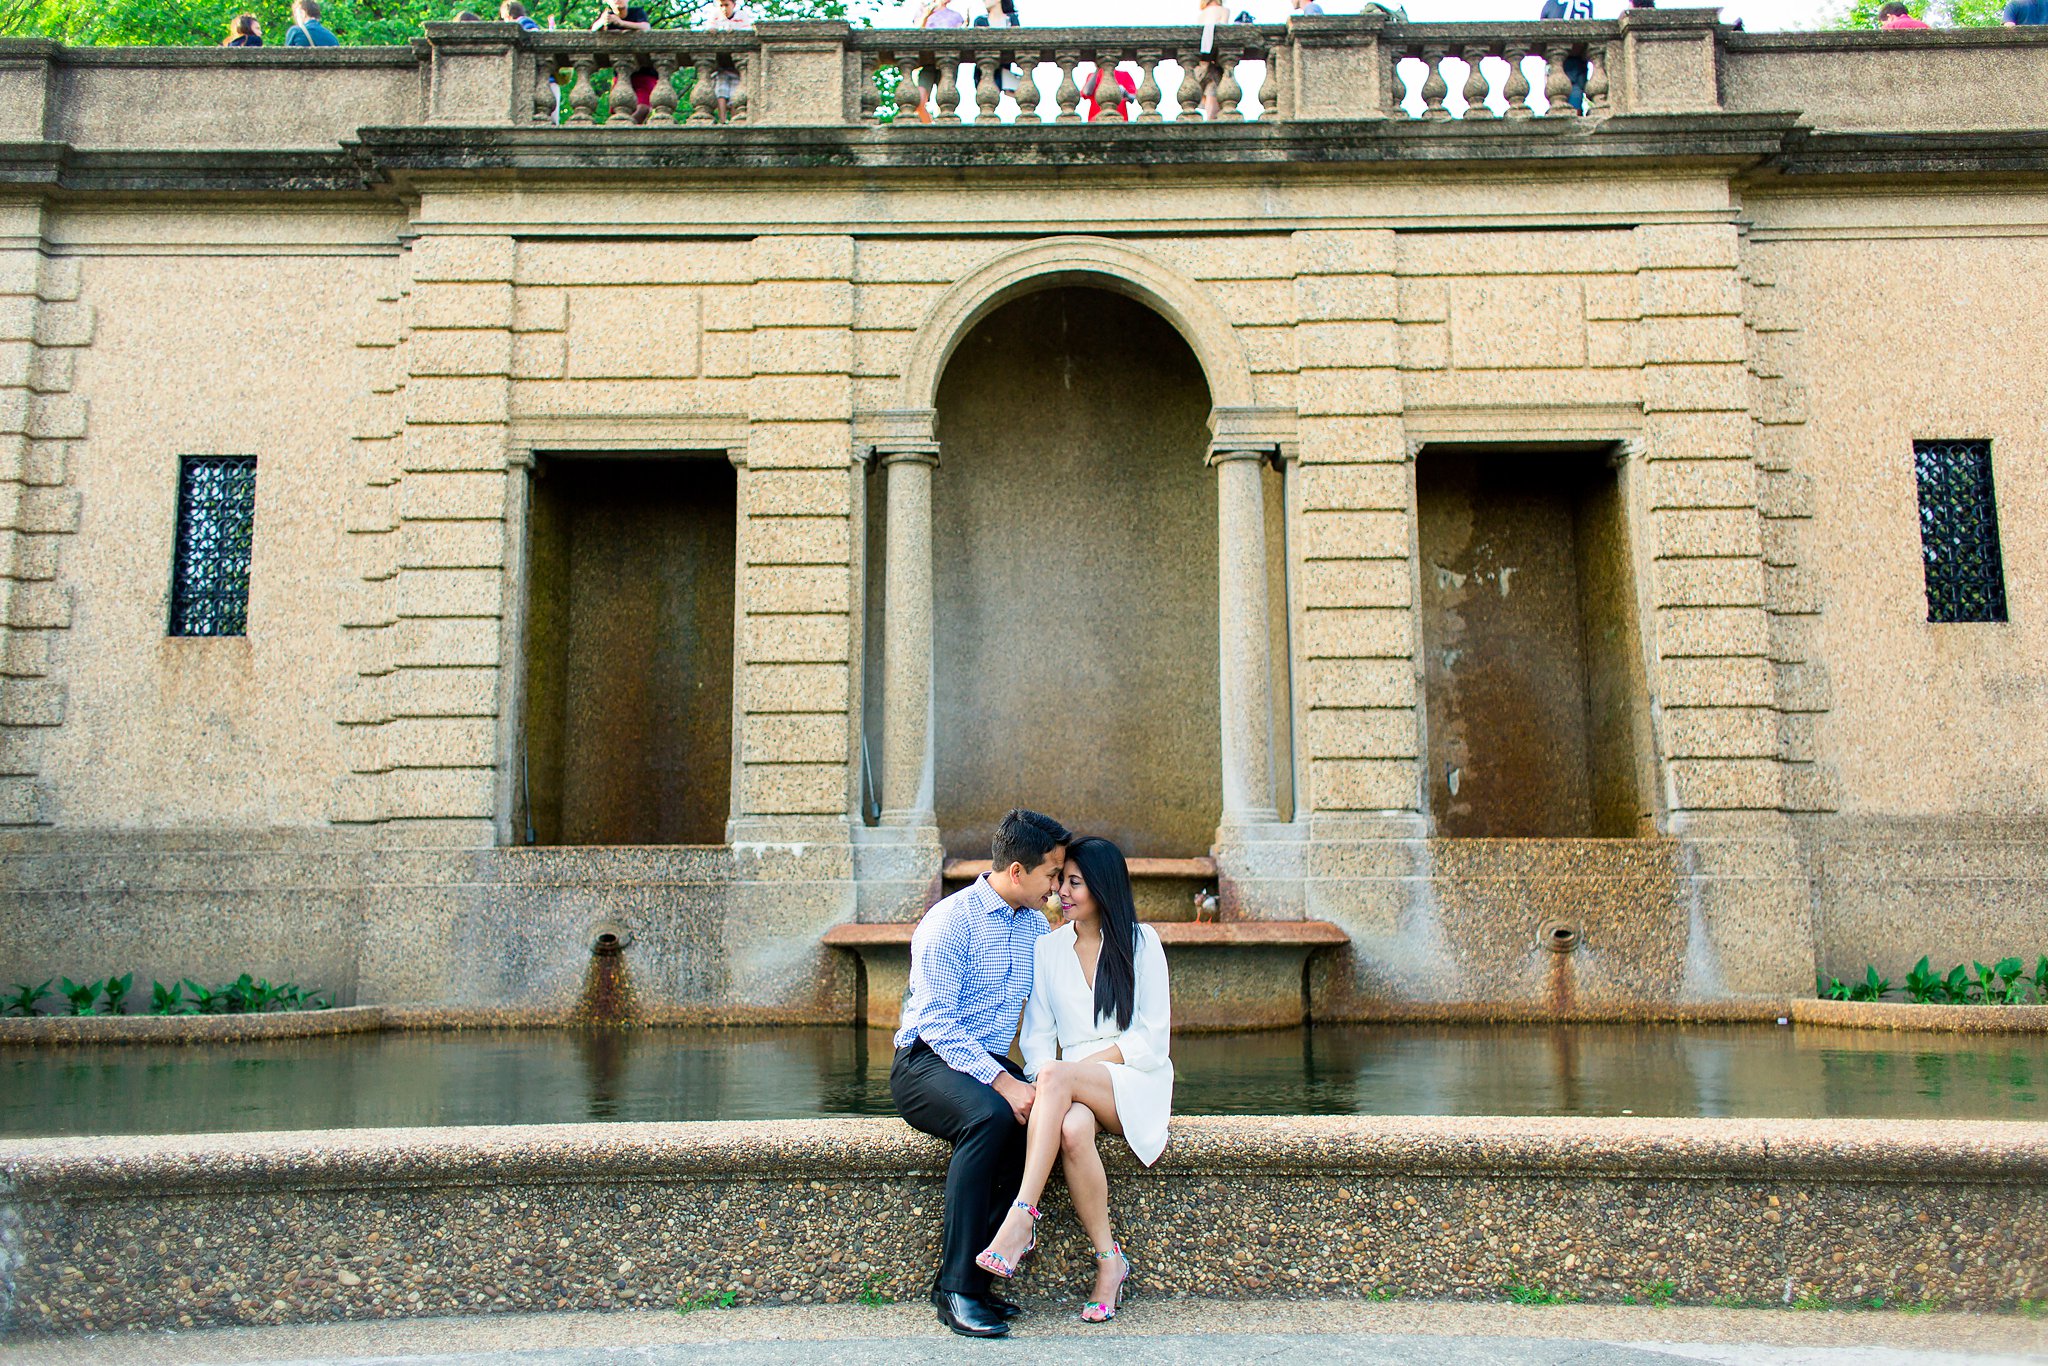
(167, 1233)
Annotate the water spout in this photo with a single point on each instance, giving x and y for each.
(607, 988)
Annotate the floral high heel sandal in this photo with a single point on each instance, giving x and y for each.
(995, 1263)
(1097, 1311)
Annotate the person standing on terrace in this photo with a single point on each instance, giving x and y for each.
(970, 972)
(1575, 68)
(1893, 16)
(620, 16)
(244, 31)
(2025, 13)
(725, 16)
(306, 29)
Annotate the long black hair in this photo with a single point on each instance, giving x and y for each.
(1101, 865)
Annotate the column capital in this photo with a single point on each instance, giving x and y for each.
(881, 455)
(1252, 426)
(1221, 453)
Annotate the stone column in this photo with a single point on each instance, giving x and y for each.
(1244, 637)
(907, 612)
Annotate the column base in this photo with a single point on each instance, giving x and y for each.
(1262, 867)
(896, 868)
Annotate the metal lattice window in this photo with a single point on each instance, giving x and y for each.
(1959, 531)
(216, 534)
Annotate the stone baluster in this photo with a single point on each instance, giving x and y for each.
(583, 94)
(742, 62)
(544, 89)
(703, 89)
(985, 81)
(1029, 96)
(662, 103)
(1434, 87)
(1517, 88)
(1475, 92)
(946, 95)
(907, 612)
(625, 104)
(1109, 91)
(1245, 640)
(1596, 79)
(1068, 96)
(1229, 94)
(1148, 86)
(871, 89)
(1557, 83)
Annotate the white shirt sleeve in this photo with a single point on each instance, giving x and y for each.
(1145, 1044)
(1039, 1039)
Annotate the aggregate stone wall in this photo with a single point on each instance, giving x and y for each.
(188, 1232)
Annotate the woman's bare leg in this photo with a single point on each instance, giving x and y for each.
(1061, 1086)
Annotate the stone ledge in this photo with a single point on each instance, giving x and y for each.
(1905, 1015)
(1172, 933)
(127, 1232)
(190, 1029)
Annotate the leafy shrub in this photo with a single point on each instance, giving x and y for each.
(246, 995)
(2004, 983)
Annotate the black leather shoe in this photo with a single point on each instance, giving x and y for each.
(968, 1316)
(1006, 1309)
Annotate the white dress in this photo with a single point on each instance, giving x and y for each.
(1061, 1013)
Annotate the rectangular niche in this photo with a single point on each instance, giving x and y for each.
(1537, 704)
(627, 735)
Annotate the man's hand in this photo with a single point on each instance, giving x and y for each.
(1020, 1094)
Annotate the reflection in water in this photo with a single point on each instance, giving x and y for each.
(569, 1076)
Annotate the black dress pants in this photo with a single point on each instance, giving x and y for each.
(988, 1154)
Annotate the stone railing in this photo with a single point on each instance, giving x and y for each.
(574, 63)
(1356, 70)
(1514, 71)
(1023, 75)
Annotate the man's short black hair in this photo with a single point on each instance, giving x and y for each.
(1026, 837)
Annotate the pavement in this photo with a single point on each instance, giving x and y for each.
(1147, 1332)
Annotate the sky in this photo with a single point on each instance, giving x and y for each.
(1757, 15)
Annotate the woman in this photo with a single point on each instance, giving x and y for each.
(1098, 993)
(932, 14)
(1211, 15)
(244, 31)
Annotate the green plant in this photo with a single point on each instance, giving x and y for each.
(1961, 991)
(25, 997)
(203, 1002)
(1383, 1293)
(1829, 988)
(1871, 988)
(872, 1295)
(2032, 1309)
(1654, 1293)
(1924, 986)
(82, 995)
(1925, 1305)
(169, 1000)
(1729, 1302)
(710, 1299)
(1534, 1293)
(1809, 1298)
(114, 994)
(2041, 980)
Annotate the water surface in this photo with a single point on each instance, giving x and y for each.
(567, 1076)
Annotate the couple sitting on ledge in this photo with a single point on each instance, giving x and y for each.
(1094, 992)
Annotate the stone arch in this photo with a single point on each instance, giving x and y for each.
(1092, 262)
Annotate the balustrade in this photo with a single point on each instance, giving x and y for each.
(954, 78)
(688, 70)
(976, 76)
(1491, 74)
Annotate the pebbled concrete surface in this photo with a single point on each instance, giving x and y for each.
(1155, 1330)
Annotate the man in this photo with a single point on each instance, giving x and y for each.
(1575, 68)
(306, 29)
(970, 970)
(2019, 12)
(1893, 16)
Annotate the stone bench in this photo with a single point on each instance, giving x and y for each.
(1237, 974)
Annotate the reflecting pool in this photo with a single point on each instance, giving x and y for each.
(571, 1076)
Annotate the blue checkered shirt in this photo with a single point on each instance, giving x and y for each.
(970, 970)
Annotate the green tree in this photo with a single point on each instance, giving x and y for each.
(1944, 14)
(364, 23)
